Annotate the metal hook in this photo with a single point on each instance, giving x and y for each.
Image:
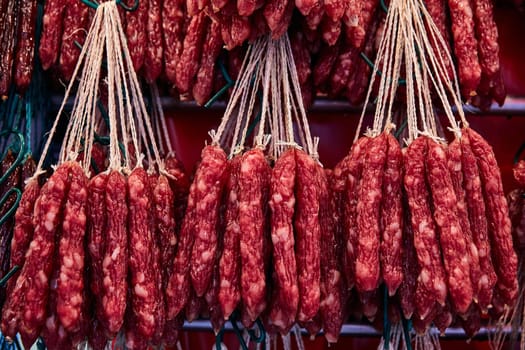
(407, 325)
(11, 210)
(378, 72)
(8, 275)
(218, 339)
(386, 321)
(92, 4)
(229, 84)
(20, 156)
(383, 6)
(259, 339)
(40, 345)
(128, 8)
(520, 150)
(262, 333)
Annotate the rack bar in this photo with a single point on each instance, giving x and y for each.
(355, 330)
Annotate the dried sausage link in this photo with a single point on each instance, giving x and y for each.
(136, 25)
(282, 204)
(25, 48)
(32, 287)
(367, 265)
(488, 48)
(230, 264)
(212, 48)
(188, 63)
(465, 46)
(330, 308)
(503, 254)
(456, 174)
(115, 262)
(307, 230)
(392, 217)
(76, 25)
(210, 183)
(7, 42)
(96, 213)
(431, 286)
(154, 46)
(142, 276)
(350, 200)
(173, 16)
(478, 223)
(254, 178)
(51, 32)
(71, 252)
(456, 259)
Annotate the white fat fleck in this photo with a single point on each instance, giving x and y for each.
(423, 226)
(441, 288)
(63, 278)
(67, 261)
(140, 291)
(336, 276)
(225, 283)
(282, 234)
(140, 277)
(107, 281)
(277, 198)
(106, 262)
(115, 253)
(484, 281)
(201, 185)
(79, 260)
(424, 276)
(482, 252)
(206, 256)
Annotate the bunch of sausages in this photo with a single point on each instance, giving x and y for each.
(17, 45)
(180, 42)
(431, 222)
(92, 254)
